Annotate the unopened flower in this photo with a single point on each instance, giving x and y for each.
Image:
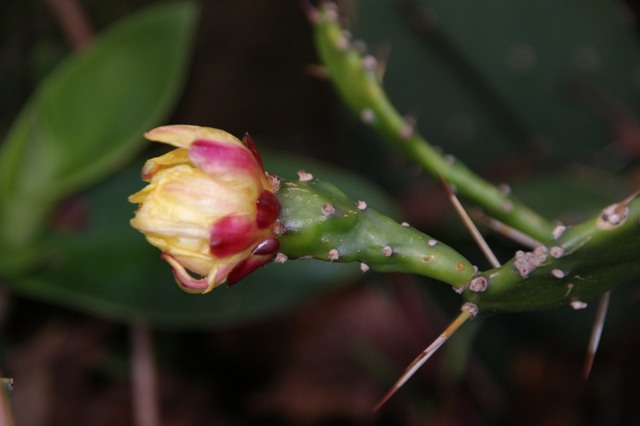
(209, 206)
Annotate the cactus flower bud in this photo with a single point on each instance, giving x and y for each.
(209, 206)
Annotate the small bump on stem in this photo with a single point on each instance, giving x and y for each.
(408, 128)
(556, 252)
(387, 251)
(578, 305)
(558, 231)
(527, 262)
(615, 215)
(278, 229)
(367, 116)
(362, 205)
(333, 255)
(478, 284)
(281, 258)
(505, 188)
(406, 131)
(470, 308)
(369, 63)
(507, 206)
(364, 267)
(274, 182)
(304, 176)
(342, 44)
(328, 209)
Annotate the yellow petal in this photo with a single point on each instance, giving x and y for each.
(182, 135)
(170, 159)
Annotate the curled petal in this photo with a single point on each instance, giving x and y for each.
(185, 280)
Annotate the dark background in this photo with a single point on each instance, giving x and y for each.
(325, 362)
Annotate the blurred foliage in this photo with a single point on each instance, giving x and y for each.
(86, 119)
(539, 94)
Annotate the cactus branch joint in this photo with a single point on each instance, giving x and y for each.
(213, 211)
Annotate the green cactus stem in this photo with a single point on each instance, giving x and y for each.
(317, 220)
(355, 78)
(578, 264)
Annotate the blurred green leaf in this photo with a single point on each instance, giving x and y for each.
(108, 268)
(89, 115)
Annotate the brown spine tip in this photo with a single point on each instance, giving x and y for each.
(558, 231)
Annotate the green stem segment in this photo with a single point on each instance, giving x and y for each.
(354, 76)
(579, 264)
(318, 220)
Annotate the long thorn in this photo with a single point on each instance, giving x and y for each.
(596, 333)
(468, 311)
(471, 227)
(383, 59)
(502, 228)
